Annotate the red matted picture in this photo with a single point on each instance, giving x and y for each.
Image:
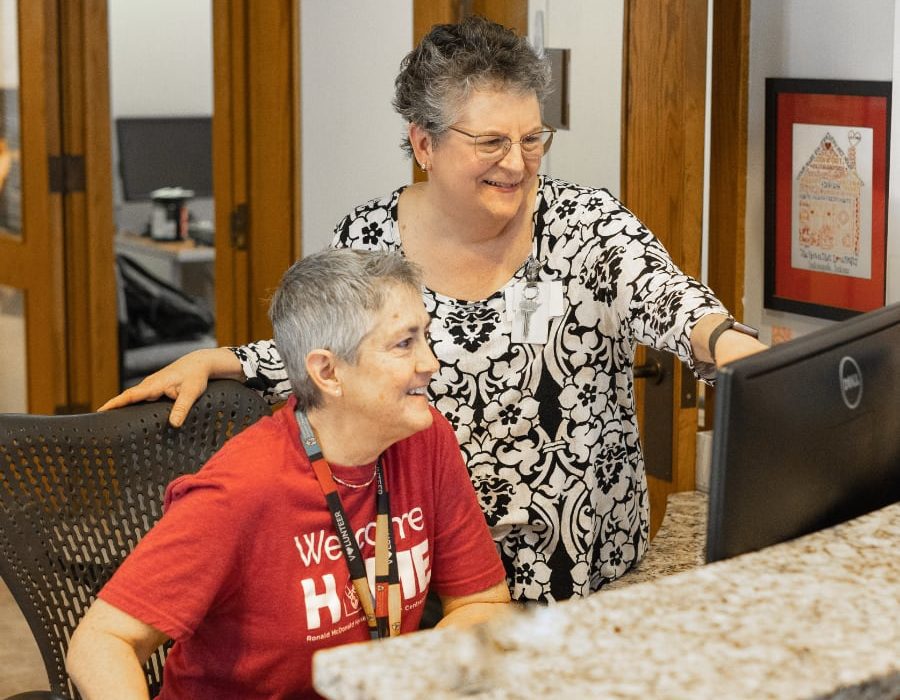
(827, 145)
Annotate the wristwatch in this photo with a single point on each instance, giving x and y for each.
(729, 324)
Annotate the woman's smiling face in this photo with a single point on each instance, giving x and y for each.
(385, 390)
(465, 181)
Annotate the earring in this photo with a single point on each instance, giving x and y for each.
(424, 167)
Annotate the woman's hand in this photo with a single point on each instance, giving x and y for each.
(733, 346)
(730, 346)
(183, 380)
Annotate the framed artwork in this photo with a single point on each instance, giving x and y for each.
(827, 147)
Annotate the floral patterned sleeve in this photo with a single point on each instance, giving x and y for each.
(664, 304)
(264, 369)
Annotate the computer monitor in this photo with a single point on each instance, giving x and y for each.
(807, 435)
(157, 152)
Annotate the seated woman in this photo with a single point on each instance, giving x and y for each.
(279, 546)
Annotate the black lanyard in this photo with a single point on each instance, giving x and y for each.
(383, 617)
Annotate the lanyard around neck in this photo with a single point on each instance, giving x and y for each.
(383, 617)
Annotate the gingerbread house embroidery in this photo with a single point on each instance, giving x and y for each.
(829, 198)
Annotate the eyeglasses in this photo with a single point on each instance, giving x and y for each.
(495, 147)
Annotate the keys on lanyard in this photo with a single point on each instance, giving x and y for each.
(530, 300)
(530, 304)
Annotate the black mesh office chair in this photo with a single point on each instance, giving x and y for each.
(78, 492)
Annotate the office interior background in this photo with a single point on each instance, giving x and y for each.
(161, 64)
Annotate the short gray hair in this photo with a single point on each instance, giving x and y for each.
(439, 74)
(328, 300)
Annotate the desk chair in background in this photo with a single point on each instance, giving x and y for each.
(158, 323)
(78, 492)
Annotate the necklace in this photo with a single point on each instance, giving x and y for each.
(355, 486)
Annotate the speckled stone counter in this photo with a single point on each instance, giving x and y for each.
(818, 617)
(680, 544)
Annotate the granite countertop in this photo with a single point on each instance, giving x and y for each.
(813, 618)
(680, 544)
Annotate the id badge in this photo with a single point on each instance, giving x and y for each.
(529, 308)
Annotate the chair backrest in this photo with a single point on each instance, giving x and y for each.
(78, 492)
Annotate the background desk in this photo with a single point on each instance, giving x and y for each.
(812, 618)
(183, 264)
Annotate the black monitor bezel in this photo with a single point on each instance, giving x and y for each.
(732, 376)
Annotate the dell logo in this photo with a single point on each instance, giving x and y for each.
(850, 377)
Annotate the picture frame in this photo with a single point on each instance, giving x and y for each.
(826, 190)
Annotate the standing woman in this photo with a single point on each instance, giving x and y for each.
(539, 291)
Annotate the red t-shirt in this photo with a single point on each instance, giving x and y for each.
(245, 571)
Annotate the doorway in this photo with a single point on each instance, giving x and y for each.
(161, 106)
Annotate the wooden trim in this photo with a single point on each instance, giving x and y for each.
(297, 128)
(38, 273)
(100, 228)
(229, 170)
(274, 168)
(509, 13)
(256, 157)
(728, 159)
(91, 296)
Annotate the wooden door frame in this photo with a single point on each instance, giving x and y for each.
(728, 162)
(92, 320)
(728, 156)
(256, 159)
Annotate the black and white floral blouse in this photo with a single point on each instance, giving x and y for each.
(549, 432)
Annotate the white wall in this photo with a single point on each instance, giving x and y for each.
(822, 39)
(350, 54)
(160, 57)
(587, 153)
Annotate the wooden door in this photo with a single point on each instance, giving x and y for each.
(56, 229)
(256, 159)
(664, 85)
(30, 227)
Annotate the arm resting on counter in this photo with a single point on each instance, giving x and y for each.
(108, 651)
(463, 611)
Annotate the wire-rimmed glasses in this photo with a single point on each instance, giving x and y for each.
(494, 147)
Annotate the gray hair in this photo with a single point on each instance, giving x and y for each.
(452, 60)
(328, 300)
